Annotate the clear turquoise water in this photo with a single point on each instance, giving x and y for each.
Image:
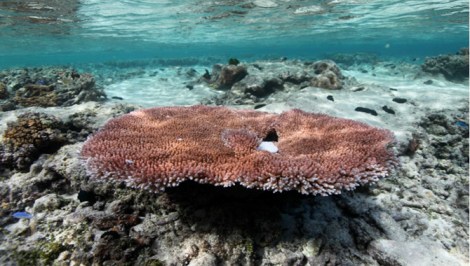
(66, 32)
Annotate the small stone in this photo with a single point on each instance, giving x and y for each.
(355, 89)
(366, 110)
(258, 106)
(399, 100)
(388, 110)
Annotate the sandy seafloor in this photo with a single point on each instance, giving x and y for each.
(417, 216)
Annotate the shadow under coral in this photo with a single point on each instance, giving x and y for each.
(251, 213)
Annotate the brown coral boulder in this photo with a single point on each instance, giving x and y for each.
(29, 136)
(48, 87)
(36, 95)
(327, 75)
(313, 153)
(224, 77)
(230, 75)
(3, 91)
(452, 67)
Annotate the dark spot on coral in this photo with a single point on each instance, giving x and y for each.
(428, 82)
(392, 89)
(75, 75)
(110, 234)
(271, 136)
(89, 196)
(117, 98)
(413, 145)
(366, 110)
(330, 97)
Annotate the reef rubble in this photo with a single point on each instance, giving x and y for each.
(46, 87)
(65, 217)
(452, 67)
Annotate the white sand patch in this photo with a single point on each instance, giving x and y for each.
(421, 99)
(265, 3)
(306, 10)
(168, 88)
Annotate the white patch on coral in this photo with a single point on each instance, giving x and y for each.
(268, 146)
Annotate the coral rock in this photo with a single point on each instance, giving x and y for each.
(453, 67)
(3, 91)
(162, 147)
(223, 77)
(32, 134)
(328, 75)
(36, 95)
(47, 87)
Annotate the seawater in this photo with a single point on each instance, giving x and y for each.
(36, 33)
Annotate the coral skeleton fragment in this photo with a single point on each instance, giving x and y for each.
(312, 154)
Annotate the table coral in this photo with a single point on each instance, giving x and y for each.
(162, 147)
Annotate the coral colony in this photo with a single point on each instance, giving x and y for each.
(294, 151)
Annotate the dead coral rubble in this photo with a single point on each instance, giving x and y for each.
(162, 147)
(327, 75)
(47, 87)
(33, 134)
(259, 82)
(224, 77)
(3, 91)
(28, 137)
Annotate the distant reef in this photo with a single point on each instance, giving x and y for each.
(46, 87)
(452, 67)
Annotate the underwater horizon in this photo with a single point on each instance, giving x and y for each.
(72, 32)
